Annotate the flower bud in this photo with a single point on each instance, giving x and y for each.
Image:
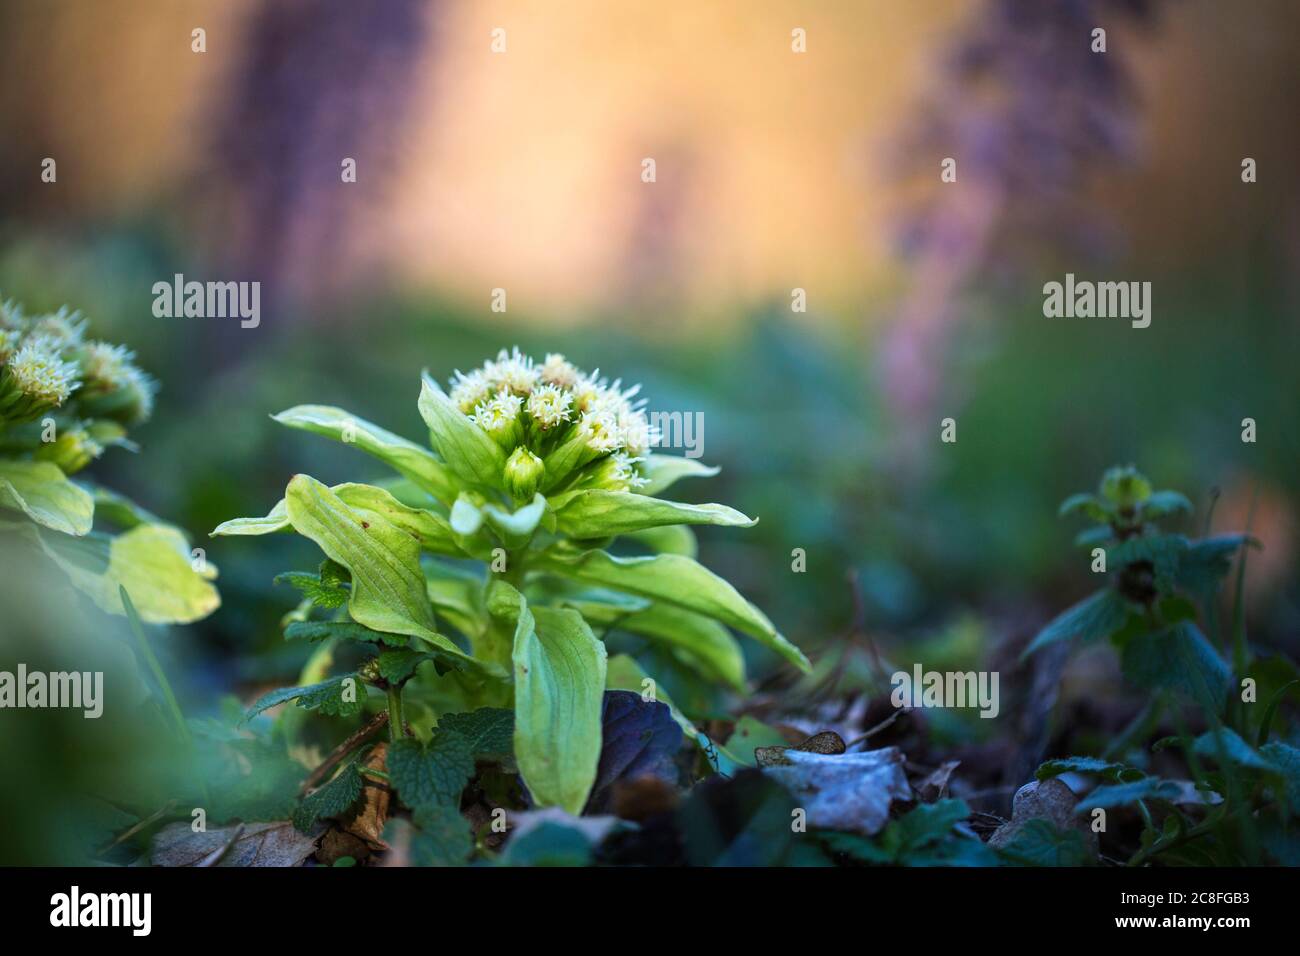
(499, 417)
(72, 450)
(523, 473)
(34, 380)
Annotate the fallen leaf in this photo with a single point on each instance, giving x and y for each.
(845, 791)
(371, 813)
(261, 844)
(935, 786)
(1049, 800)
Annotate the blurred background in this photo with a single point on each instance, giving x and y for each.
(774, 171)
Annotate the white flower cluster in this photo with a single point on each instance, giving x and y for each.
(552, 404)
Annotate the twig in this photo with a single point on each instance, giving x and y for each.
(878, 728)
(148, 821)
(342, 750)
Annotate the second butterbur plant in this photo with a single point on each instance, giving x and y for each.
(489, 558)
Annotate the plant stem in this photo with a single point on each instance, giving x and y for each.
(396, 726)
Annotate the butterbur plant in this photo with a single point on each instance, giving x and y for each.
(65, 399)
(489, 557)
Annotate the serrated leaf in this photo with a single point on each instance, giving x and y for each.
(336, 697)
(316, 631)
(489, 730)
(332, 800)
(41, 491)
(708, 646)
(1164, 551)
(1225, 745)
(1085, 504)
(596, 513)
(396, 666)
(1165, 502)
(680, 581)
(464, 446)
(1178, 658)
(321, 594)
(405, 457)
(1097, 615)
(1285, 761)
(1206, 561)
(388, 587)
(443, 837)
(660, 471)
(559, 671)
(1092, 765)
(433, 774)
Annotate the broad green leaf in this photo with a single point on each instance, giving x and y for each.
(1207, 560)
(405, 457)
(466, 448)
(154, 564)
(332, 800)
(433, 774)
(443, 837)
(1098, 615)
(277, 519)
(1284, 760)
(489, 730)
(429, 528)
(396, 666)
(1165, 502)
(40, 490)
(670, 539)
(118, 509)
(456, 594)
(1164, 551)
(388, 587)
(660, 471)
(705, 642)
(681, 581)
(1120, 794)
(1178, 658)
(1226, 746)
(315, 631)
(1092, 765)
(596, 513)
(559, 670)
(1086, 504)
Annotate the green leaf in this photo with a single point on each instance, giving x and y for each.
(466, 448)
(322, 594)
(388, 586)
(429, 528)
(660, 471)
(397, 666)
(277, 519)
(1164, 551)
(316, 631)
(1086, 504)
(706, 643)
(433, 774)
(339, 696)
(515, 528)
(596, 513)
(1270, 711)
(443, 837)
(153, 563)
(1178, 658)
(332, 800)
(1097, 615)
(559, 670)
(1092, 765)
(457, 595)
(40, 490)
(1226, 746)
(1206, 561)
(118, 509)
(622, 672)
(670, 539)
(1041, 843)
(405, 457)
(681, 581)
(1120, 794)
(1165, 502)
(489, 730)
(1285, 761)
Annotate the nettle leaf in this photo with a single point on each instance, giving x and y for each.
(1042, 843)
(339, 696)
(1094, 537)
(489, 730)
(706, 644)
(322, 594)
(681, 581)
(1226, 746)
(388, 587)
(596, 513)
(332, 800)
(1178, 658)
(1285, 761)
(464, 446)
(1098, 615)
(1120, 794)
(316, 631)
(660, 471)
(1090, 765)
(397, 666)
(1164, 503)
(405, 457)
(40, 490)
(1206, 561)
(433, 774)
(1085, 504)
(443, 837)
(1164, 551)
(559, 671)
